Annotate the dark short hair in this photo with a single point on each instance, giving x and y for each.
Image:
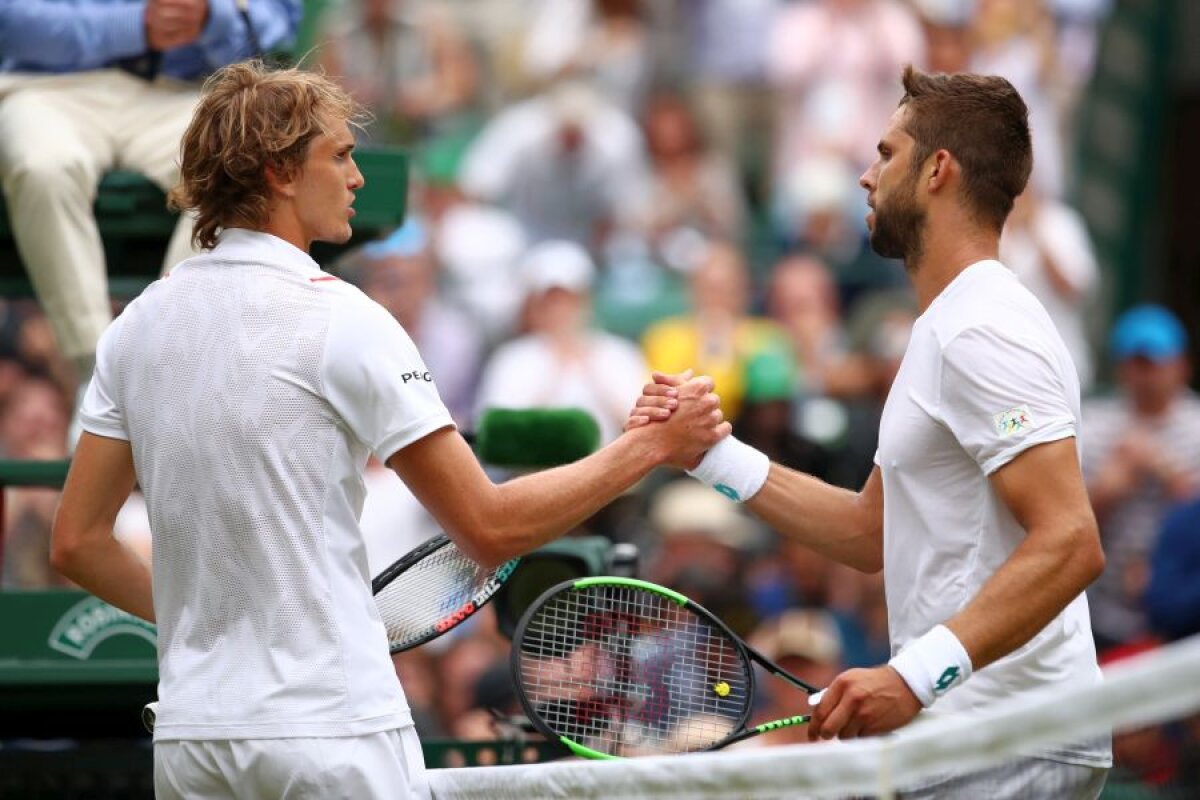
(983, 122)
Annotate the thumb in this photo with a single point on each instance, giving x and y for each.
(672, 379)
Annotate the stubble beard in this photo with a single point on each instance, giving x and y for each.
(900, 228)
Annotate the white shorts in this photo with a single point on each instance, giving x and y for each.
(381, 765)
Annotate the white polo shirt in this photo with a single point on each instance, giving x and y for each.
(252, 387)
(985, 377)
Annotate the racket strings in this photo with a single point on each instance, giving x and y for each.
(427, 594)
(628, 672)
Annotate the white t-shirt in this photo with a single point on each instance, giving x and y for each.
(984, 378)
(251, 387)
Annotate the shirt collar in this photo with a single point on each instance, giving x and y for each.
(243, 244)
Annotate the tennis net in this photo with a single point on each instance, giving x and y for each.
(1151, 703)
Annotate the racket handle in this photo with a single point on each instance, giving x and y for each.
(149, 715)
(814, 699)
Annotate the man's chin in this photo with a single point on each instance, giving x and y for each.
(884, 247)
(340, 237)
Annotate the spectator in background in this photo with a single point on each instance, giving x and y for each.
(1016, 40)
(726, 68)
(719, 337)
(604, 43)
(419, 674)
(90, 85)
(1078, 23)
(1173, 594)
(833, 65)
(36, 348)
(702, 544)
(767, 418)
(1046, 243)
(692, 189)
(560, 361)
(817, 212)
(564, 163)
(1141, 456)
(474, 245)
(463, 662)
(947, 42)
(33, 425)
(416, 70)
(803, 298)
(878, 332)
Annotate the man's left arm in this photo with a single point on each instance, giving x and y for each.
(1059, 557)
(82, 545)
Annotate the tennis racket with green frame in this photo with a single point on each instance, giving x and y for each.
(614, 667)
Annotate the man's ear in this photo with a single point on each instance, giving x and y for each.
(281, 185)
(939, 168)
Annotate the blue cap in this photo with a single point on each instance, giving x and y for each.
(1150, 331)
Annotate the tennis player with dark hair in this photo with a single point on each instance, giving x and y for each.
(976, 510)
(244, 393)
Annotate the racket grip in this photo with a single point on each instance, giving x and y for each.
(149, 715)
(814, 699)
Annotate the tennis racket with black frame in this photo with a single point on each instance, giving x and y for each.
(429, 591)
(433, 589)
(614, 667)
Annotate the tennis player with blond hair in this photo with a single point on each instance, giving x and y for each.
(244, 393)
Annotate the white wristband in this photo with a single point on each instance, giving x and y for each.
(933, 664)
(733, 468)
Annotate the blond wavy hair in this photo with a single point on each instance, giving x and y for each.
(251, 117)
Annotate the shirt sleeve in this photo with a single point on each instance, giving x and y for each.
(377, 381)
(70, 36)
(101, 412)
(1000, 396)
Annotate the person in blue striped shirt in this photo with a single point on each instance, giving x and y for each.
(87, 86)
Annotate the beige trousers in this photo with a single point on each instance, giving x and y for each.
(58, 135)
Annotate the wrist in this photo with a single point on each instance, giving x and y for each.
(647, 449)
(933, 664)
(733, 468)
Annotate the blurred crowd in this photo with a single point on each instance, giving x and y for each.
(605, 187)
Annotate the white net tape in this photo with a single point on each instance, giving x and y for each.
(1152, 688)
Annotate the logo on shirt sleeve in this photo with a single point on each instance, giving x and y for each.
(1013, 421)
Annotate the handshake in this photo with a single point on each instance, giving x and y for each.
(681, 417)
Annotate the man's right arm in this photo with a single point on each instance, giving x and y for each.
(68, 37)
(493, 523)
(843, 525)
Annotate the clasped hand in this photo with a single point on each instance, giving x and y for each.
(691, 413)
